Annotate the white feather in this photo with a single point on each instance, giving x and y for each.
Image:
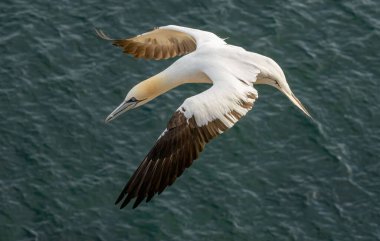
(218, 101)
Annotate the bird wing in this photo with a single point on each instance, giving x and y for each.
(198, 120)
(164, 42)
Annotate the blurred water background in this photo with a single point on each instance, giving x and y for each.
(276, 175)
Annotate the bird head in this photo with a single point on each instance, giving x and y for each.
(130, 102)
(139, 95)
(272, 74)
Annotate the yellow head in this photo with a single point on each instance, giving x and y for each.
(141, 94)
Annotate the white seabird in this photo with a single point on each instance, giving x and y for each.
(231, 70)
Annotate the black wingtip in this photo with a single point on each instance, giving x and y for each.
(138, 200)
(150, 196)
(119, 199)
(123, 204)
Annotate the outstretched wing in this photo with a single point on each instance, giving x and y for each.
(198, 120)
(164, 42)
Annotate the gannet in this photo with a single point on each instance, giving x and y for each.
(230, 69)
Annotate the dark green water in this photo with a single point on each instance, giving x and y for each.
(276, 175)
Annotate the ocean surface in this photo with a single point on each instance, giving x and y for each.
(277, 175)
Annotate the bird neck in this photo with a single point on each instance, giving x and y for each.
(155, 86)
(165, 81)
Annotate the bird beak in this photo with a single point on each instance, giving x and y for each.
(123, 107)
(297, 102)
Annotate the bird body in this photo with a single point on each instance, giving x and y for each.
(231, 70)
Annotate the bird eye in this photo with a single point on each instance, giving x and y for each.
(133, 99)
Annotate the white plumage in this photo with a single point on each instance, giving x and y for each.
(223, 97)
(231, 70)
